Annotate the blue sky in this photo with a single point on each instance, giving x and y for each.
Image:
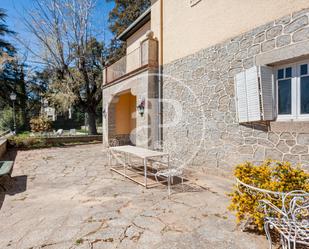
(17, 9)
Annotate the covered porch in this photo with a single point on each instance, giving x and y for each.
(130, 110)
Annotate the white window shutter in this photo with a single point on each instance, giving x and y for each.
(254, 94)
(241, 97)
(267, 92)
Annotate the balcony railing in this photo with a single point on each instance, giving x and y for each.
(143, 56)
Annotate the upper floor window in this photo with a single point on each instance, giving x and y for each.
(293, 91)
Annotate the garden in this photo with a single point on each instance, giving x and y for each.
(42, 135)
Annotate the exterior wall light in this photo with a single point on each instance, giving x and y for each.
(104, 113)
(141, 107)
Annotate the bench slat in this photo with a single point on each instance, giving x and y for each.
(5, 167)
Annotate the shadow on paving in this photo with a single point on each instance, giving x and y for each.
(12, 185)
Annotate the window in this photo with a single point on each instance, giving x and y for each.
(293, 91)
(304, 89)
(284, 90)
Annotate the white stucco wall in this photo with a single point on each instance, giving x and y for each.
(188, 29)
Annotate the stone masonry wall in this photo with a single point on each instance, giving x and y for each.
(207, 132)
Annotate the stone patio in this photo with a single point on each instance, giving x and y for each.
(63, 198)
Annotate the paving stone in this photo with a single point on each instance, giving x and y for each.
(107, 211)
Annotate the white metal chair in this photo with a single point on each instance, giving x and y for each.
(59, 132)
(112, 143)
(171, 170)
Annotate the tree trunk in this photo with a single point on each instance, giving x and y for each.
(92, 123)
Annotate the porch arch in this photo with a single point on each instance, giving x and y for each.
(122, 118)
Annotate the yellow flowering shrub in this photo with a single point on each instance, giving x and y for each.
(270, 175)
(40, 124)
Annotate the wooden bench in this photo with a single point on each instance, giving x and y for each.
(5, 170)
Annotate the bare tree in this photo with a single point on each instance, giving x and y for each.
(67, 47)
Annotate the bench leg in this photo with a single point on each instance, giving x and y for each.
(266, 229)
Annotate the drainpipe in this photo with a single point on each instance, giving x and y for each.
(160, 106)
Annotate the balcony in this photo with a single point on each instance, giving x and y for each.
(145, 56)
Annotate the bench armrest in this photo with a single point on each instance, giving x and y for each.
(268, 205)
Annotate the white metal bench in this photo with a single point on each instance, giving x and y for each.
(291, 221)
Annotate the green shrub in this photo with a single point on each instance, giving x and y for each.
(271, 175)
(40, 124)
(27, 142)
(7, 121)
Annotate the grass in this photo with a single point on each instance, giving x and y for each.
(82, 131)
(79, 241)
(24, 134)
(25, 141)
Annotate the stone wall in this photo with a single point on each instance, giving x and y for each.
(73, 139)
(208, 133)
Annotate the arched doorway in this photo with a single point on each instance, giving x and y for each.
(122, 118)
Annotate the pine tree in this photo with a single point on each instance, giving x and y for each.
(121, 16)
(5, 46)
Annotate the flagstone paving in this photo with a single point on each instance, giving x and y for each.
(65, 198)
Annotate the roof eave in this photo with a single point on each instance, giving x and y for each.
(137, 24)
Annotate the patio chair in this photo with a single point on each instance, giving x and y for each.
(59, 132)
(170, 171)
(112, 143)
(291, 222)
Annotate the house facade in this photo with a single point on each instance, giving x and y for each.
(229, 82)
(52, 114)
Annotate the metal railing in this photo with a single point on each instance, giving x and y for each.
(3, 134)
(134, 60)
